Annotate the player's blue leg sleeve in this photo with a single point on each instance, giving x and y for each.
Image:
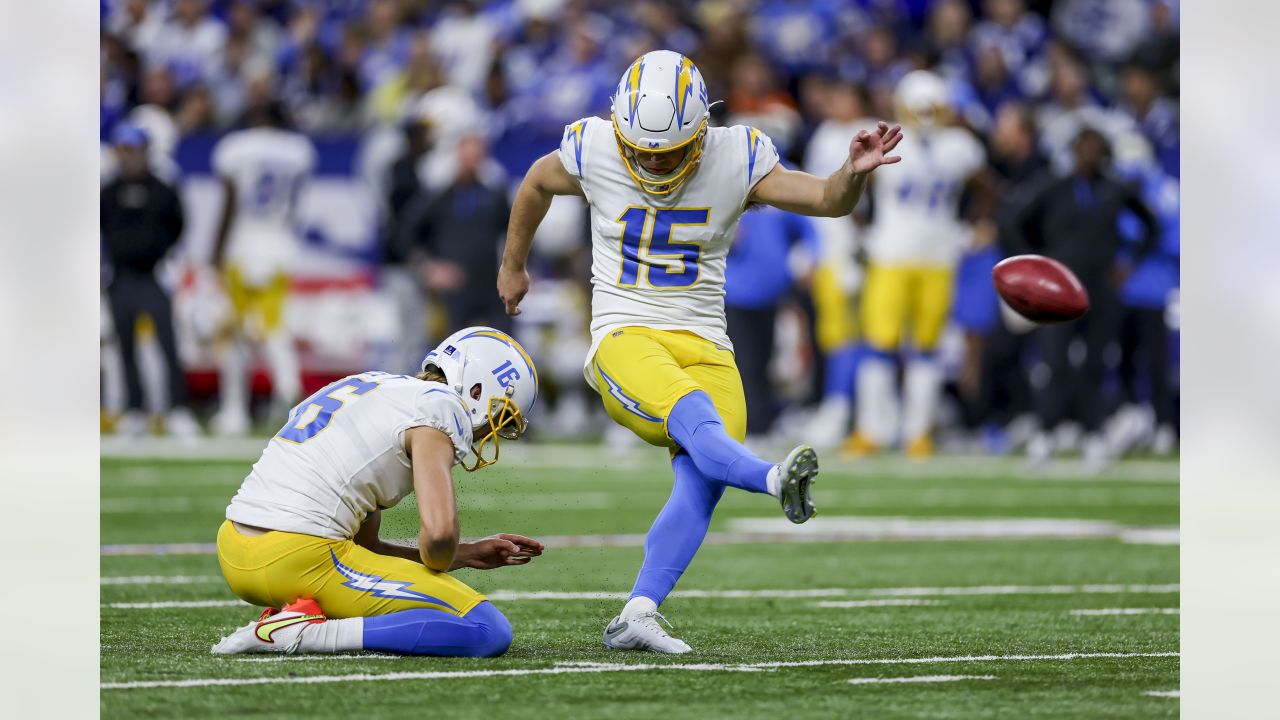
(696, 426)
(842, 368)
(482, 632)
(678, 530)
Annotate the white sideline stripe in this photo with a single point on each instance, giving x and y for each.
(903, 592)
(919, 679)
(589, 667)
(175, 604)
(904, 602)
(1164, 693)
(159, 579)
(524, 501)
(595, 456)
(1128, 611)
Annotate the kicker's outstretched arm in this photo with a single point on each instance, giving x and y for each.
(546, 179)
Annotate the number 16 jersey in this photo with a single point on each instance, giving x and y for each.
(658, 261)
(341, 454)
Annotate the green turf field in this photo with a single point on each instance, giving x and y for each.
(961, 568)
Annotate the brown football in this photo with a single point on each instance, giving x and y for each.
(1040, 289)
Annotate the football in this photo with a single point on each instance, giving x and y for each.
(1040, 289)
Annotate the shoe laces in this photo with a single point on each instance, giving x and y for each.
(647, 619)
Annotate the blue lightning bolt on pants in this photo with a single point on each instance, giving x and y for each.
(707, 462)
(482, 632)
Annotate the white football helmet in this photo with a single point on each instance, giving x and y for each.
(497, 381)
(922, 99)
(661, 105)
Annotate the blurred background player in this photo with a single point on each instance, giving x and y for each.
(758, 276)
(1076, 220)
(666, 194)
(141, 221)
(452, 236)
(838, 278)
(913, 244)
(263, 169)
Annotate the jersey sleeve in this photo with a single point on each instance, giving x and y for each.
(308, 157)
(761, 155)
(226, 158)
(973, 156)
(573, 147)
(443, 410)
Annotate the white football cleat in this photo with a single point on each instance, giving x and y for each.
(273, 631)
(182, 424)
(642, 632)
(229, 423)
(133, 424)
(798, 472)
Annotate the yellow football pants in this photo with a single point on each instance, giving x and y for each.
(641, 373)
(347, 580)
(895, 298)
(835, 324)
(257, 310)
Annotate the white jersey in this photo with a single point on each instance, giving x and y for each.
(268, 167)
(915, 216)
(341, 455)
(658, 261)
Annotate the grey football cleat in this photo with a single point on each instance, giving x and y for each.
(799, 471)
(642, 632)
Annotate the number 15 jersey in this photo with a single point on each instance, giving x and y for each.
(658, 261)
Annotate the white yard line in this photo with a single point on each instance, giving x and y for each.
(904, 602)
(753, 531)
(899, 592)
(291, 658)
(959, 659)
(1165, 693)
(919, 679)
(576, 668)
(873, 529)
(429, 675)
(1128, 611)
(1097, 589)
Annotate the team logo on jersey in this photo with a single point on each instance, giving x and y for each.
(755, 139)
(574, 133)
(381, 587)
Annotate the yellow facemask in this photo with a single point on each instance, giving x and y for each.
(667, 184)
(505, 423)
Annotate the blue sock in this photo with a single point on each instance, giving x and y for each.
(678, 530)
(696, 426)
(842, 368)
(482, 632)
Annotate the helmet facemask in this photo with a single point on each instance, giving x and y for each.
(505, 423)
(661, 184)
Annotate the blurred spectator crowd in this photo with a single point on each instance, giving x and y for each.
(462, 95)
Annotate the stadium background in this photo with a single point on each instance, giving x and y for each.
(354, 74)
